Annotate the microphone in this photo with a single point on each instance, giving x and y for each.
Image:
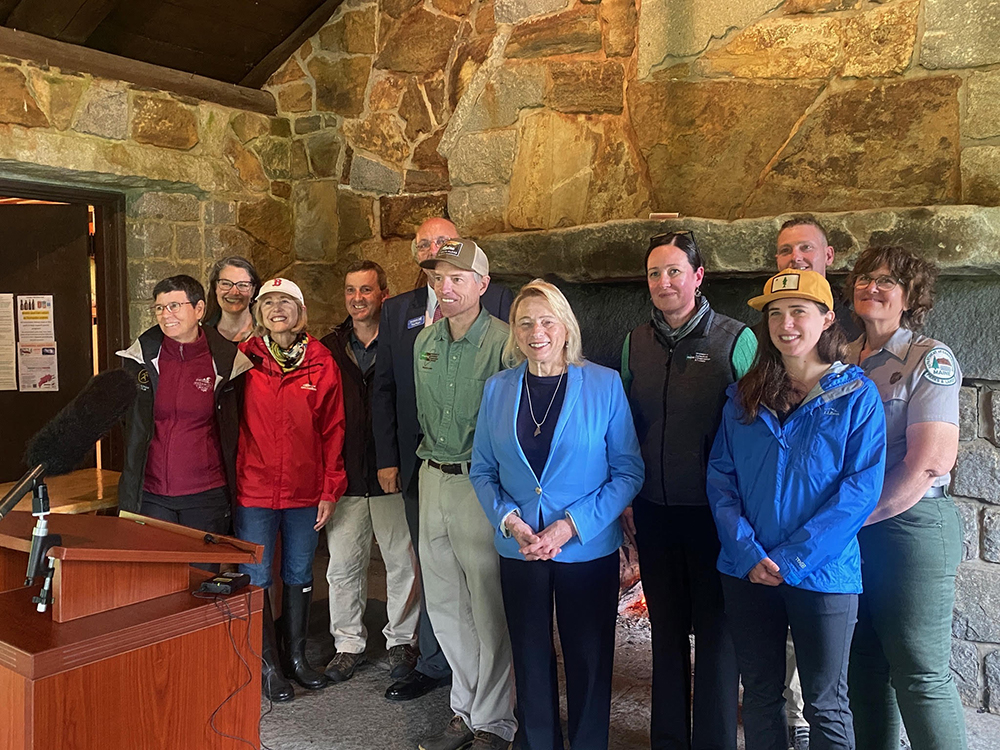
(64, 442)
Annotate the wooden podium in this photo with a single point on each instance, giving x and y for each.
(126, 657)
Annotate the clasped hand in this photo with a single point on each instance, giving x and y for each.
(766, 572)
(544, 545)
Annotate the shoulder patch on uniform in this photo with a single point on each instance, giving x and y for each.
(940, 366)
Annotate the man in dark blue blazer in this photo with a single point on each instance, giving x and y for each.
(397, 432)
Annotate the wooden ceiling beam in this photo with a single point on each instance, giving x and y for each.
(277, 57)
(86, 20)
(20, 44)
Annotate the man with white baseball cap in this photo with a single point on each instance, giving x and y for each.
(452, 360)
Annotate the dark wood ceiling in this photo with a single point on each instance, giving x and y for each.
(234, 41)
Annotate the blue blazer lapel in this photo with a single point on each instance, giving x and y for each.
(514, 406)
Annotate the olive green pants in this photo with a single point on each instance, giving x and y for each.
(902, 643)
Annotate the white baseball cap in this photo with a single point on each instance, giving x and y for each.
(285, 287)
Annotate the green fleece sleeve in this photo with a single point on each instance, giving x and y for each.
(744, 352)
(626, 373)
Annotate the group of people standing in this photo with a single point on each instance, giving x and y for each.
(786, 491)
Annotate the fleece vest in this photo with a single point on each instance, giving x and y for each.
(677, 397)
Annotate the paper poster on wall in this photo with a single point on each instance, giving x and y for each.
(34, 319)
(37, 367)
(8, 347)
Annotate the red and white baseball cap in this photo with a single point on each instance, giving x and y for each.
(285, 287)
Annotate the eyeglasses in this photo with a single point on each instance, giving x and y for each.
(882, 283)
(425, 245)
(667, 237)
(225, 285)
(173, 307)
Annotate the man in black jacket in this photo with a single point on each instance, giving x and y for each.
(397, 433)
(365, 508)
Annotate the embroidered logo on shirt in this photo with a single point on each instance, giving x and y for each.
(428, 358)
(699, 357)
(203, 384)
(940, 366)
(831, 412)
(414, 322)
(308, 387)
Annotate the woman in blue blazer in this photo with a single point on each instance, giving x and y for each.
(554, 463)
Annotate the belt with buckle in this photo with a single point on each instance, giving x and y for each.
(936, 491)
(449, 468)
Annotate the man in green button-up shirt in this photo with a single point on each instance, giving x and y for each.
(452, 360)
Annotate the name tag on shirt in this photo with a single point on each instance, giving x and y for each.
(414, 322)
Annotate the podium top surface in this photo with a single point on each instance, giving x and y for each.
(80, 491)
(111, 539)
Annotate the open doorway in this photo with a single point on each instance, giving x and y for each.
(63, 307)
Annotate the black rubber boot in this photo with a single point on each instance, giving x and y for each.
(294, 627)
(273, 684)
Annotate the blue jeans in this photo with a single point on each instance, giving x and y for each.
(298, 542)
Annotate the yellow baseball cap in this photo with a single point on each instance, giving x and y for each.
(796, 284)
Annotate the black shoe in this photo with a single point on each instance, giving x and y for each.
(413, 686)
(402, 661)
(294, 624)
(341, 667)
(273, 684)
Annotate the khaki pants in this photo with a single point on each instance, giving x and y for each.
(461, 571)
(349, 537)
(793, 687)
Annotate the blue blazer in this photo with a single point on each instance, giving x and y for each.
(593, 471)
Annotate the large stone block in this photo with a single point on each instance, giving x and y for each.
(618, 23)
(981, 175)
(401, 215)
(353, 32)
(511, 89)
(275, 156)
(249, 125)
(56, 95)
(163, 122)
(340, 83)
(977, 600)
(171, 206)
(573, 32)
(220, 212)
(968, 414)
(268, 221)
(290, 71)
(874, 144)
(982, 114)
(414, 43)
(316, 219)
(370, 176)
(670, 29)
(483, 158)
(413, 110)
(223, 241)
(990, 415)
(17, 105)
(706, 144)
(380, 134)
(619, 187)
(322, 285)
(323, 149)
(295, 97)
(960, 300)
(357, 218)
(977, 472)
(515, 11)
(453, 7)
(397, 8)
(189, 242)
(104, 112)
(148, 239)
(552, 172)
(965, 670)
(960, 33)
(478, 210)
(968, 512)
(818, 6)
(992, 693)
(586, 87)
(991, 535)
(880, 42)
(246, 164)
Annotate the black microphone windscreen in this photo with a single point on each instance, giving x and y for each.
(65, 441)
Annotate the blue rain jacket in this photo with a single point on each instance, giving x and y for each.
(799, 492)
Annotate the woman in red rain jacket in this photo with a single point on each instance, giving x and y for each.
(289, 469)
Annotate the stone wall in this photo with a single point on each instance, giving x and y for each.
(201, 180)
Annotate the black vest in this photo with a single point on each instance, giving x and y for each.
(677, 398)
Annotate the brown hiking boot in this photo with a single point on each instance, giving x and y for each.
(455, 736)
(488, 741)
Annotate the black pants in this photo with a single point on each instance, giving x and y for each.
(208, 511)
(822, 627)
(678, 550)
(586, 608)
(431, 662)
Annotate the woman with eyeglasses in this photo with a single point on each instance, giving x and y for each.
(232, 284)
(181, 432)
(290, 470)
(911, 544)
(795, 470)
(676, 369)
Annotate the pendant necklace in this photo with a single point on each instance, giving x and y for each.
(531, 409)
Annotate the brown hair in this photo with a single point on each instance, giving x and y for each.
(767, 383)
(369, 265)
(804, 220)
(916, 275)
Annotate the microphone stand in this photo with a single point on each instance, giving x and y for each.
(39, 563)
